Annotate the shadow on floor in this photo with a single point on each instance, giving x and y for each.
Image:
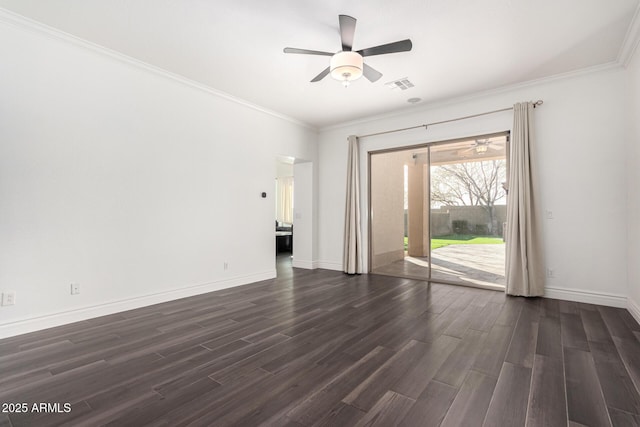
(467, 264)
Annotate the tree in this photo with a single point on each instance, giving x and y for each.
(470, 184)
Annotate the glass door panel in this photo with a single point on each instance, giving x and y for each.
(399, 216)
(468, 211)
(437, 211)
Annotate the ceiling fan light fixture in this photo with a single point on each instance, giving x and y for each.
(481, 149)
(346, 66)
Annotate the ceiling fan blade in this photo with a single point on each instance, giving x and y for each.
(321, 76)
(347, 30)
(306, 51)
(371, 73)
(401, 46)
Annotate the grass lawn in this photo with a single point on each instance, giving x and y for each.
(461, 239)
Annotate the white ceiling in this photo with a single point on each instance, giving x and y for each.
(459, 46)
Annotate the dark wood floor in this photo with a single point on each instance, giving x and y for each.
(322, 348)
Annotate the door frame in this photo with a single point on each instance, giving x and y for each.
(427, 145)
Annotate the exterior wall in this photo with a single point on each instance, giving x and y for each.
(387, 204)
(444, 216)
(417, 214)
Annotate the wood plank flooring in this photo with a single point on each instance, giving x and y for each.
(320, 348)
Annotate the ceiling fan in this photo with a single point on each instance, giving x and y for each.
(481, 146)
(348, 65)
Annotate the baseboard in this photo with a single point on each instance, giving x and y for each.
(329, 265)
(300, 263)
(62, 318)
(634, 309)
(589, 297)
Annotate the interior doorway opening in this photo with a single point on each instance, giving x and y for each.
(437, 211)
(284, 212)
(295, 231)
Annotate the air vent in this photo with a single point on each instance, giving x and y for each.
(402, 84)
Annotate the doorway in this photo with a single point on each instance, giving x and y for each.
(295, 228)
(284, 213)
(437, 211)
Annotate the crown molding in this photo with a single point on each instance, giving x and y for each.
(631, 40)
(627, 50)
(613, 65)
(24, 23)
(625, 55)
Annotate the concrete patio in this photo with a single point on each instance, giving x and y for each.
(475, 265)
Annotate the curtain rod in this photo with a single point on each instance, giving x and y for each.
(535, 104)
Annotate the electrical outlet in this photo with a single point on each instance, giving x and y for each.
(9, 298)
(549, 214)
(226, 265)
(75, 288)
(551, 273)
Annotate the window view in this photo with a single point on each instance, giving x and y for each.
(439, 211)
(468, 210)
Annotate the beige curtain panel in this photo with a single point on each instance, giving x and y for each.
(524, 261)
(352, 256)
(284, 203)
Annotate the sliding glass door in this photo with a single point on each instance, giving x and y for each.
(399, 221)
(437, 211)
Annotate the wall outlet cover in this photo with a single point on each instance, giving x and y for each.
(9, 298)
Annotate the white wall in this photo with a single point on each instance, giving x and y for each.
(633, 187)
(303, 216)
(283, 169)
(134, 185)
(581, 130)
